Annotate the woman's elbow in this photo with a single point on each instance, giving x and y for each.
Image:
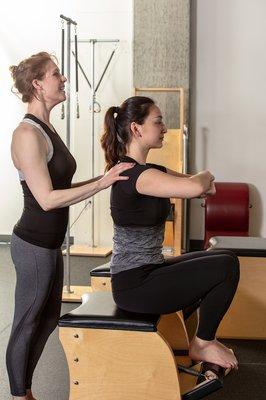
(45, 205)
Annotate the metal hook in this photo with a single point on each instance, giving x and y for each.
(96, 108)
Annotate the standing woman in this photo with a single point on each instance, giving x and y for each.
(45, 168)
(142, 281)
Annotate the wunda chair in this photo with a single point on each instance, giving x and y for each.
(117, 355)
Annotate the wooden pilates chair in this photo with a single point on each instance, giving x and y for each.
(227, 213)
(246, 317)
(117, 355)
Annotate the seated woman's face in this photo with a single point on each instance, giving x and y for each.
(153, 130)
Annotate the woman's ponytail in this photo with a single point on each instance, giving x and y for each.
(111, 142)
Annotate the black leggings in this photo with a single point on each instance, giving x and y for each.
(37, 309)
(209, 276)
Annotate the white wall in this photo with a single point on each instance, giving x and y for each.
(228, 100)
(35, 28)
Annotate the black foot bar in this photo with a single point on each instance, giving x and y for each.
(210, 379)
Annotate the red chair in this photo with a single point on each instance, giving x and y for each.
(227, 212)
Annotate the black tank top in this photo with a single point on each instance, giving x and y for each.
(129, 207)
(47, 228)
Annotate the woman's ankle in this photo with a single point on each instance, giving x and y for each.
(197, 341)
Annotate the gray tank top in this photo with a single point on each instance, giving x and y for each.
(50, 145)
(136, 246)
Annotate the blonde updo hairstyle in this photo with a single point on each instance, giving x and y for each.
(26, 71)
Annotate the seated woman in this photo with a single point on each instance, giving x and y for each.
(142, 280)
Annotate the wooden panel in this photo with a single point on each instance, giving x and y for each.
(173, 329)
(246, 317)
(119, 365)
(100, 284)
(168, 234)
(88, 251)
(171, 156)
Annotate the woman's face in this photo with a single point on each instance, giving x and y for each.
(53, 85)
(153, 130)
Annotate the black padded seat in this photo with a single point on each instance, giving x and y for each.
(101, 312)
(101, 271)
(104, 271)
(246, 246)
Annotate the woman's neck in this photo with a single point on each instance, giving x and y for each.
(40, 111)
(138, 154)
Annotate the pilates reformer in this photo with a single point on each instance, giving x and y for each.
(117, 355)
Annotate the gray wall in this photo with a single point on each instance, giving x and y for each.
(161, 51)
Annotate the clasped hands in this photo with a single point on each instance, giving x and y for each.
(211, 191)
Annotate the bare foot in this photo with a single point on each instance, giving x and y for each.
(30, 395)
(212, 351)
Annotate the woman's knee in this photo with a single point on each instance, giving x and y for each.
(231, 263)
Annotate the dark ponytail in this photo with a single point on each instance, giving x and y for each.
(113, 147)
(117, 132)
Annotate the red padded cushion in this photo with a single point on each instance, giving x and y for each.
(227, 213)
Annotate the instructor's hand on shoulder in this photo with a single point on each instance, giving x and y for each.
(113, 174)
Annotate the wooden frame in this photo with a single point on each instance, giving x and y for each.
(133, 365)
(113, 364)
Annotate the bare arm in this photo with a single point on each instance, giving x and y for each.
(29, 152)
(156, 183)
(210, 192)
(175, 173)
(77, 184)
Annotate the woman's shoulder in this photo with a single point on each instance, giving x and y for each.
(28, 132)
(26, 137)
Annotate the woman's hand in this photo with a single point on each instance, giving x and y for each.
(205, 179)
(113, 175)
(212, 190)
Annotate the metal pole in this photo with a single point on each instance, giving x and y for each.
(92, 135)
(82, 71)
(68, 289)
(105, 69)
(185, 171)
(97, 40)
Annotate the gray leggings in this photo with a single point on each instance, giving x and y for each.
(37, 309)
